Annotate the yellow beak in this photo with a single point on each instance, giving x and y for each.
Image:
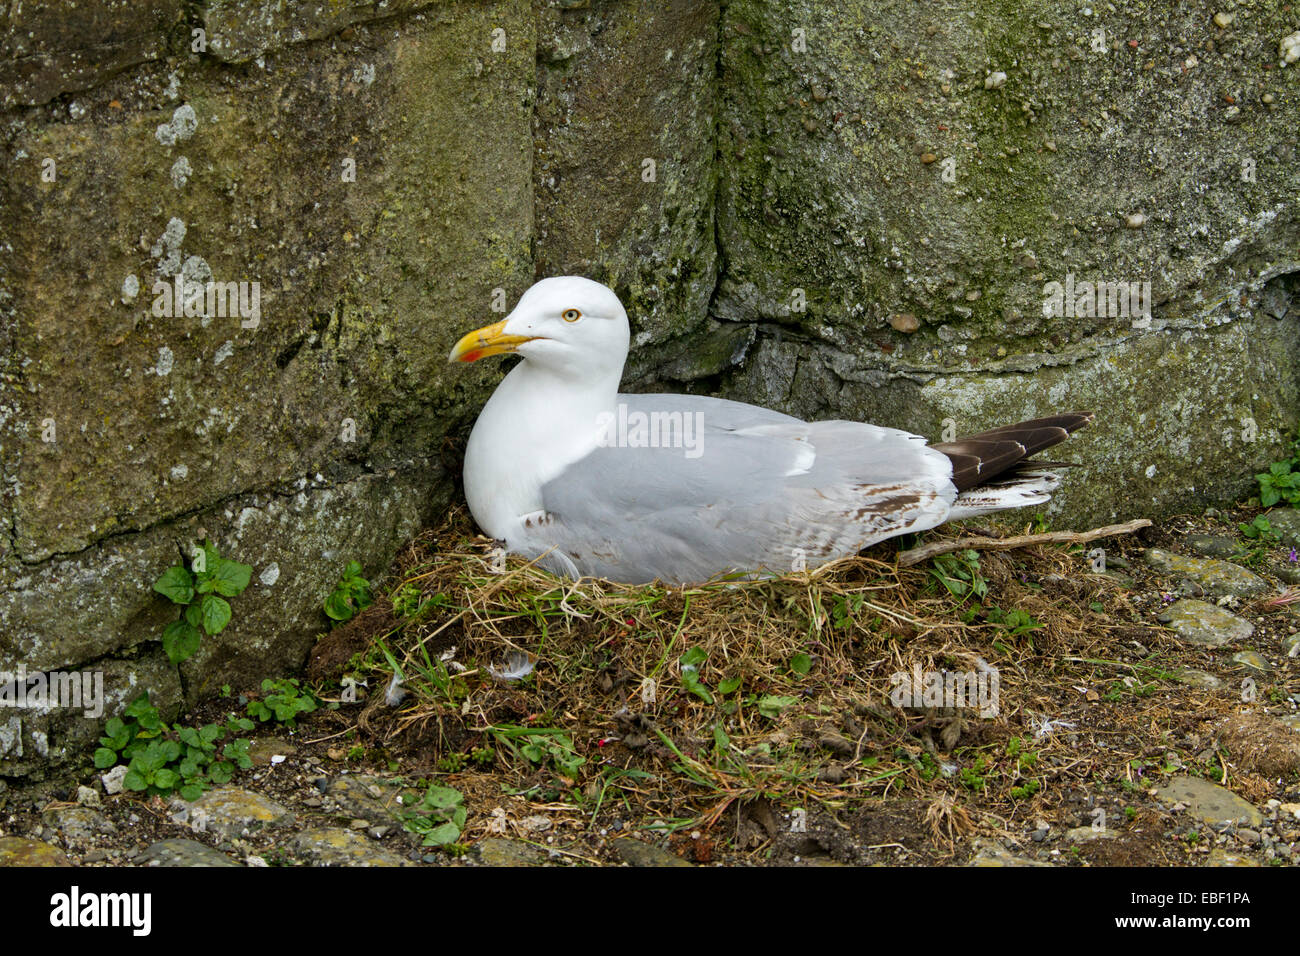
(489, 340)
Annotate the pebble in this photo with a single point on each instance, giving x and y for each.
(182, 853)
(1223, 20)
(1209, 802)
(1221, 857)
(1205, 624)
(498, 851)
(1286, 522)
(1135, 220)
(1289, 48)
(1088, 834)
(995, 81)
(112, 780)
(1252, 661)
(79, 825)
(904, 322)
(229, 812)
(20, 851)
(336, 847)
(1199, 678)
(356, 797)
(1212, 545)
(988, 853)
(635, 853)
(1219, 578)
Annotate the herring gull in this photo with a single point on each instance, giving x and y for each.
(564, 468)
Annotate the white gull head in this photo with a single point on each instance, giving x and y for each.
(550, 410)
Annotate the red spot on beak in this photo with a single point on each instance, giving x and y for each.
(473, 356)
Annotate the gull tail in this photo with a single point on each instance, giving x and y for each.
(993, 470)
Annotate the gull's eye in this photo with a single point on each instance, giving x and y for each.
(571, 315)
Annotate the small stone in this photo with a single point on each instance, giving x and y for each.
(20, 851)
(182, 853)
(635, 853)
(498, 851)
(1212, 545)
(1209, 802)
(1286, 522)
(1199, 678)
(79, 825)
(1089, 833)
(1135, 220)
(928, 158)
(995, 81)
(1223, 20)
(1246, 835)
(1252, 661)
(1221, 857)
(337, 847)
(112, 780)
(904, 322)
(263, 751)
(355, 798)
(229, 812)
(988, 853)
(1289, 48)
(88, 797)
(1205, 624)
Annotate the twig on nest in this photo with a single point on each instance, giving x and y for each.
(915, 555)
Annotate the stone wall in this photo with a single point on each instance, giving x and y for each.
(838, 209)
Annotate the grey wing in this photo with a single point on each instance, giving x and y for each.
(746, 490)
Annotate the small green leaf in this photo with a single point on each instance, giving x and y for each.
(772, 706)
(180, 640)
(442, 798)
(728, 685)
(338, 607)
(720, 739)
(105, 758)
(176, 584)
(134, 780)
(801, 664)
(694, 657)
(231, 577)
(442, 835)
(216, 614)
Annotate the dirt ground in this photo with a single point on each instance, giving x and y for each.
(753, 724)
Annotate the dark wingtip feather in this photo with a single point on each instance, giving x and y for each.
(982, 457)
